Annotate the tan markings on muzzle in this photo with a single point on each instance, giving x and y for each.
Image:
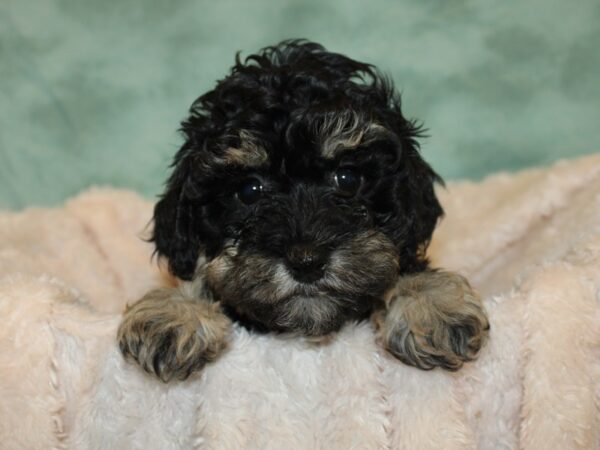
(217, 268)
(317, 310)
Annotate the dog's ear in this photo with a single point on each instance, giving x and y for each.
(425, 209)
(416, 209)
(421, 208)
(176, 234)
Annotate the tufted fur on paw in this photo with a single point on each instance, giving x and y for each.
(172, 335)
(433, 319)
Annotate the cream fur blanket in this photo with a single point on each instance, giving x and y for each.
(530, 242)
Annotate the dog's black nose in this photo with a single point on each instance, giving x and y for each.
(306, 263)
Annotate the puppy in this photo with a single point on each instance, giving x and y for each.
(297, 203)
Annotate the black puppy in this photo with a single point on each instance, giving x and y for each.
(299, 202)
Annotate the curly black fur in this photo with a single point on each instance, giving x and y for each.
(287, 103)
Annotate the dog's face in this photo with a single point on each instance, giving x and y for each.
(299, 193)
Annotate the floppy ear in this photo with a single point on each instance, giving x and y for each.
(175, 234)
(411, 209)
(416, 207)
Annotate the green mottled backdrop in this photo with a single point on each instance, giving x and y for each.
(91, 92)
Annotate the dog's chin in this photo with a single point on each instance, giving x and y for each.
(306, 313)
(310, 315)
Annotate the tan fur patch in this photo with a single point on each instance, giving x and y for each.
(312, 311)
(171, 334)
(346, 131)
(249, 154)
(431, 319)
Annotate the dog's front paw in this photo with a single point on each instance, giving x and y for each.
(433, 319)
(172, 336)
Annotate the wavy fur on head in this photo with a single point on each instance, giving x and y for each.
(299, 197)
(292, 107)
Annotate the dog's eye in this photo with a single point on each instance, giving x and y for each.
(347, 181)
(250, 191)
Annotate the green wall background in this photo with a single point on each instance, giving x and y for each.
(92, 92)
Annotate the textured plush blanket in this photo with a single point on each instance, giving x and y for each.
(529, 242)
